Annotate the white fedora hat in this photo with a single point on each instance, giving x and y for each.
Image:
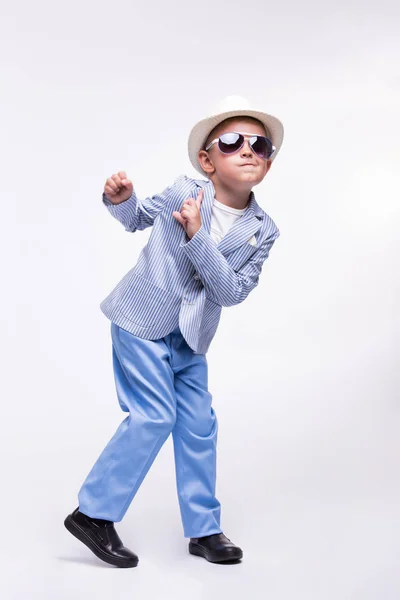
(231, 106)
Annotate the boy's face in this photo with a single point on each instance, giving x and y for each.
(244, 168)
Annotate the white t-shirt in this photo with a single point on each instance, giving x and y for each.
(222, 219)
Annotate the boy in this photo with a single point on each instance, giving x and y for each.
(206, 250)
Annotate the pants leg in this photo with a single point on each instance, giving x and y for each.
(195, 441)
(144, 383)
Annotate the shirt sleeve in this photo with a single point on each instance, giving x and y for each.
(223, 284)
(134, 213)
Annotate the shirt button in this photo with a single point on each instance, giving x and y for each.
(196, 277)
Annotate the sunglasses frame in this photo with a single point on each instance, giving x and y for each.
(245, 135)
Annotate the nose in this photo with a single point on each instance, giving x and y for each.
(246, 150)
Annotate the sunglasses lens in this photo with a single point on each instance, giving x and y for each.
(262, 146)
(230, 142)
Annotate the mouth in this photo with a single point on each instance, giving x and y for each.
(247, 165)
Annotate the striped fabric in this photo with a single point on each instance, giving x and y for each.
(177, 281)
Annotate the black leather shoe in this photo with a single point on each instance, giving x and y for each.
(215, 548)
(100, 536)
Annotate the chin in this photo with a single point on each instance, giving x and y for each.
(250, 178)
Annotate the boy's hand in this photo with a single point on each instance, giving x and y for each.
(189, 217)
(118, 188)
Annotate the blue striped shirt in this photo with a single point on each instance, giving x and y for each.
(177, 281)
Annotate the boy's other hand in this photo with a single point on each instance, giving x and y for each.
(189, 216)
(118, 188)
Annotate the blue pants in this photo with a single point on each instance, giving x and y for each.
(162, 384)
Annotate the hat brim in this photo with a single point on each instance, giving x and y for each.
(202, 129)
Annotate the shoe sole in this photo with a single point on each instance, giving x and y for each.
(97, 550)
(198, 551)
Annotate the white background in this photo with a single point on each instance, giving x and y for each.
(304, 373)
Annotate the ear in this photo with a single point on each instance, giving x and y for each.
(268, 165)
(205, 162)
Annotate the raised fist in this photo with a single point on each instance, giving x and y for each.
(118, 188)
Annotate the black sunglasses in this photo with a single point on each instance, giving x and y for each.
(231, 142)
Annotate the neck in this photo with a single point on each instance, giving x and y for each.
(231, 196)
